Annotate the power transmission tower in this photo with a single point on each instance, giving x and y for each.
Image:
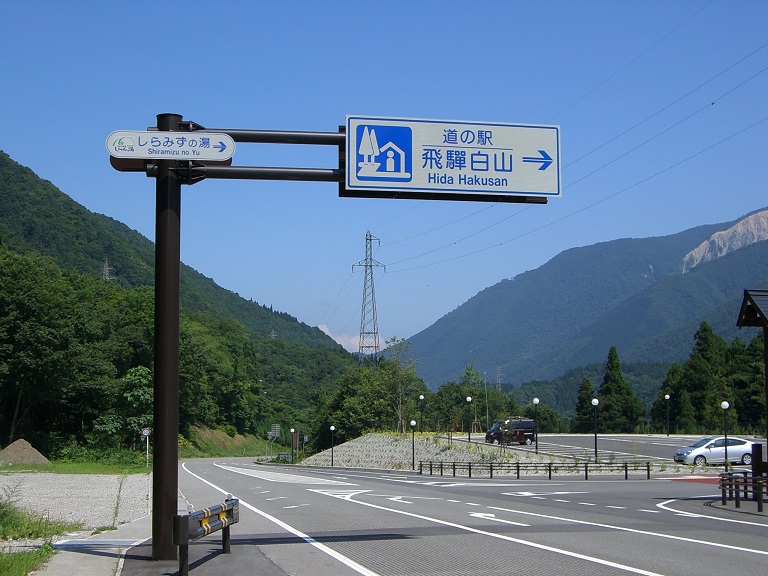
(105, 271)
(369, 328)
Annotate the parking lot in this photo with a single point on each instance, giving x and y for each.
(611, 447)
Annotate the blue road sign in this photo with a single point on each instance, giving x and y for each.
(447, 156)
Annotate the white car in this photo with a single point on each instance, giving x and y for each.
(711, 450)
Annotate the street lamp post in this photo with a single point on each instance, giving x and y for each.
(487, 412)
(724, 405)
(333, 429)
(536, 422)
(666, 397)
(292, 442)
(421, 413)
(469, 417)
(413, 445)
(595, 402)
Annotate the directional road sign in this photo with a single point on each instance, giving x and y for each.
(170, 145)
(452, 156)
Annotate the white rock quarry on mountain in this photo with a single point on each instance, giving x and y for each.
(753, 228)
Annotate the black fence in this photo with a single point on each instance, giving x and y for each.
(740, 486)
(488, 469)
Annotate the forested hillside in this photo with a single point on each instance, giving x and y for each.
(35, 216)
(628, 293)
(76, 345)
(76, 357)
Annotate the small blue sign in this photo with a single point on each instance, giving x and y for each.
(384, 153)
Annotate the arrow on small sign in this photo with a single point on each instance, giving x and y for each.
(221, 147)
(545, 159)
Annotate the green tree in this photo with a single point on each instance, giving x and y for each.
(548, 420)
(704, 374)
(36, 333)
(686, 419)
(126, 410)
(356, 407)
(746, 381)
(620, 409)
(664, 409)
(399, 380)
(584, 409)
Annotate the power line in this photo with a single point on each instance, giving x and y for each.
(592, 205)
(632, 61)
(660, 110)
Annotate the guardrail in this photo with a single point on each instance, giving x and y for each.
(517, 468)
(190, 527)
(738, 486)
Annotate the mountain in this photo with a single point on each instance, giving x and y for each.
(645, 296)
(35, 216)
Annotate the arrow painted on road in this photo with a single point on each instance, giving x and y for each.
(545, 159)
(489, 516)
(221, 146)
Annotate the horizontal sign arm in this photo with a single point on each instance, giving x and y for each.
(195, 173)
(284, 137)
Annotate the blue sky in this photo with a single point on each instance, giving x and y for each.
(662, 109)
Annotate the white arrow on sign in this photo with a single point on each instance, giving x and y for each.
(489, 516)
(170, 145)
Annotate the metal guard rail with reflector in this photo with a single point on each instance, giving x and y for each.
(738, 486)
(190, 527)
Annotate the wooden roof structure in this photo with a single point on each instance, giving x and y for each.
(754, 309)
(754, 312)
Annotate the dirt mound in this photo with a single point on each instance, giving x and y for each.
(22, 452)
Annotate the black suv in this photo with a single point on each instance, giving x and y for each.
(511, 430)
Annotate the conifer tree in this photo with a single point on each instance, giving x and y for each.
(581, 422)
(686, 420)
(620, 409)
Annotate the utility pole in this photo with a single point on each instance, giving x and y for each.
(369, 328)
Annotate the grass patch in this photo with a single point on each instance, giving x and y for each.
(70, 467)
(206, 442)
(17, 524)
(22, 563)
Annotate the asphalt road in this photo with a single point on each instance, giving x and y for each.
(333, 522)
(613, 447)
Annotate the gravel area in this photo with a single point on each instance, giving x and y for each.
(95, 501)
(393, 451)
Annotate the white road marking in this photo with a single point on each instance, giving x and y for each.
(282, 477)
(359, 568)
(707, 543)
(665, 506)
(529, 543)
(491, 516)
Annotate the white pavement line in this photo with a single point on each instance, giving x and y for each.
(494, 535)
(282, 477)
(707, 543)
(665, 506)
(359, 568)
